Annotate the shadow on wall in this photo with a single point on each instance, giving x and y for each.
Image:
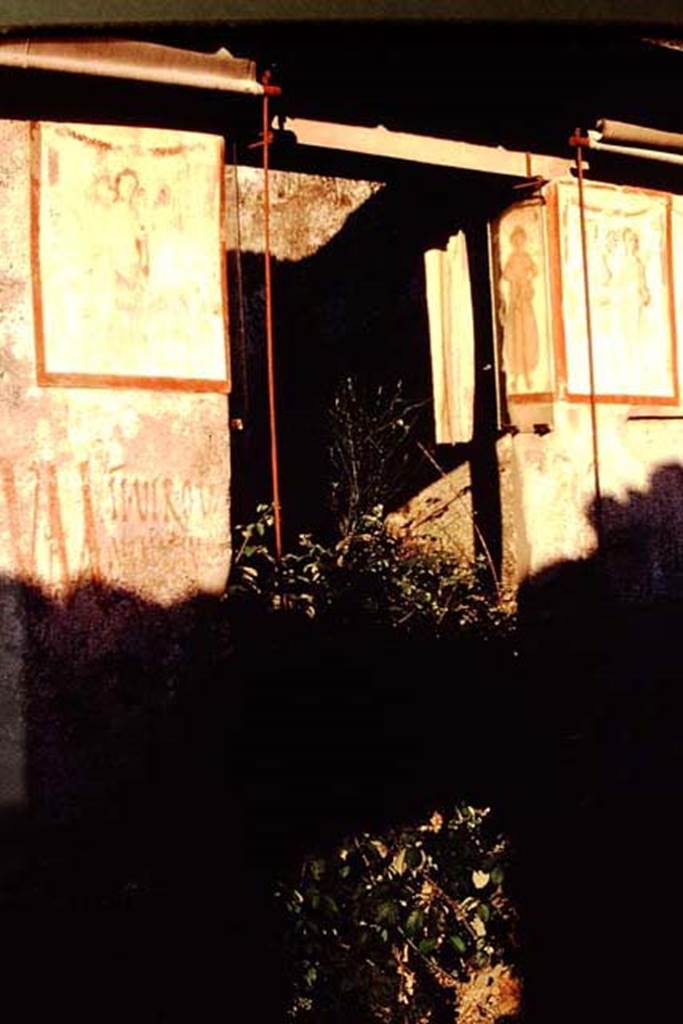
(600, 639)
(640, 562)
(179, 760)
(115, 744)
(357, 307)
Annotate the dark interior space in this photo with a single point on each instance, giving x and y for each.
(357, 308)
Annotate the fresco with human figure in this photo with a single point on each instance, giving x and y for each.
(522, 304)
(628, 273)
(129, 261)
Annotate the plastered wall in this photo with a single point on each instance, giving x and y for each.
(123, 489)
(553, 514)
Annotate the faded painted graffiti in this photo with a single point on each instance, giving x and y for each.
(61, 523)
(160, 499)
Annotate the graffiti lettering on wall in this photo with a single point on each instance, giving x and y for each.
(160, 500)
(64, 522)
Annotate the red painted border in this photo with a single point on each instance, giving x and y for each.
(625, 399)
(556, 280)
(672, 298)
(35, 142)
(555, 284)
(533, 396)
(113, 380)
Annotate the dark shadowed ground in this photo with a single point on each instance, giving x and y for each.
(182, 765)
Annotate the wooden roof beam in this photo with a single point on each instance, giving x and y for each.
(425, 149)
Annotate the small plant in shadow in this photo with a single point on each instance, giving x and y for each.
(396, 927)
(372, 449)
(371, 577)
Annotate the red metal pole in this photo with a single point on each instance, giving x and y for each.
(576, 141)
(270, 349)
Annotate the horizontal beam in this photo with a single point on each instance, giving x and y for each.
(135, 61)
(425, 149)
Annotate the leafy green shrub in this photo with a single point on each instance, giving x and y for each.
(387, 927)
(369, 579)
(384, 927)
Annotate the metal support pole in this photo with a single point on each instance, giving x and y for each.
(270, 349)
(579, 141)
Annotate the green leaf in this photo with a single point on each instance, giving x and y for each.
(427, 946)
(414, 921)
(344, 871)
(386, 912)
(331, 904)
(458, 943)
(497, 875)
(414, 857)
(484, 911)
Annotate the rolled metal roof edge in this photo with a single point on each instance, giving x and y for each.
(135, 61)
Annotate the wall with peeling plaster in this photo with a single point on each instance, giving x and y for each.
(554, 521)
(307, 210)
(548, 511)
(124, 489)
(127, 484)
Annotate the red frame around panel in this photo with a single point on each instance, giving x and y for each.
(47, 378)
(559, 338)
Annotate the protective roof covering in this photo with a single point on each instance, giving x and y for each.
(138, 61)
(668, 44)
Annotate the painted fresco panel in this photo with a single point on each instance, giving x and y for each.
(521, 298)
(130, 263)
(129, 488)
(629, 277)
